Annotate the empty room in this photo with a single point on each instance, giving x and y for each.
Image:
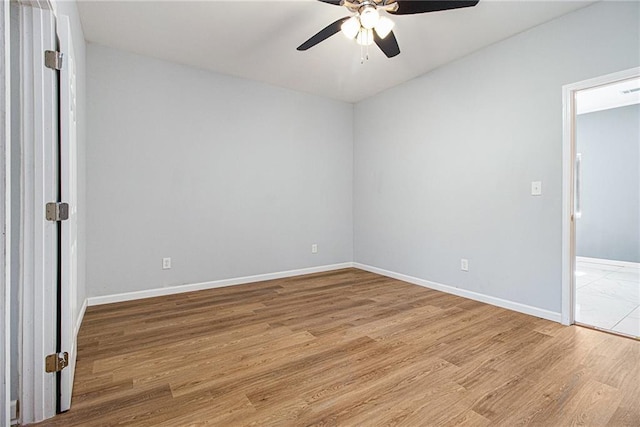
(320, 212)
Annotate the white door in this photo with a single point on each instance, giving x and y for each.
(39, 271)
(5, 186)
(50, 249)
(68, 177)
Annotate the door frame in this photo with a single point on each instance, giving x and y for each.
(38, 245)
(568, 179)
(5, 214)
(46, 157)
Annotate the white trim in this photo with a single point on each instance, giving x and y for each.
(499, 302)
(608, 262)
(170, 290)
(38, 242)
(568, 154)
(567, 256)
(5, 213)
(14, 412)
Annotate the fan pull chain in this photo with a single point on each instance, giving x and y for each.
(364, 53)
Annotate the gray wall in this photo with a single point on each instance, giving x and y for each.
(609, 142)
(231, 178)
(226, 176)
(447, 174)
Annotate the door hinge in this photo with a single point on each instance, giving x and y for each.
(57, 211)
(53, 59)
(56, 362)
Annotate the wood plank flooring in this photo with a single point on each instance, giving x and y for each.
(344, 348)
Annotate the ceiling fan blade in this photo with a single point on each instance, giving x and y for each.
(334, 2)
(410, 7)
(323, 34)
(388, 45)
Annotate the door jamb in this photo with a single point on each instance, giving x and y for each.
(568, 156)
(5, 214)
(37, 270)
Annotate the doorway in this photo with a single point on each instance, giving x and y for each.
(601, 242)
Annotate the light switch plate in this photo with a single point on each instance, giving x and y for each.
(536, 188)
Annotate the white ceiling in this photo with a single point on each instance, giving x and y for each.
(258, 39)
(620, 94)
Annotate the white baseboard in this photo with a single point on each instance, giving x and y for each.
(14, 412)
(608, 262)
(499, 302)
(170, 290)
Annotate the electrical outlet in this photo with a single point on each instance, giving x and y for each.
(166, 263)
(314, 248)
(464, 264)
(536, 188)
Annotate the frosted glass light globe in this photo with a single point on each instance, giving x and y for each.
(384, 27)
(350, 27)
(369, 17)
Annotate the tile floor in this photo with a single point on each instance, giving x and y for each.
(608, 295)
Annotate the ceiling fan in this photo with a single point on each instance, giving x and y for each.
(368, 26)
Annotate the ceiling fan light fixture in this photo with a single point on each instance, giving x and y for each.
(369, 17)
(368, 27)
(350, 27)
(384, 27)
(365, 37)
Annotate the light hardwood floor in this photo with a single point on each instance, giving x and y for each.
(347, 348)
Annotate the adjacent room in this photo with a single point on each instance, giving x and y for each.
(608, 202)
(321, 212)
